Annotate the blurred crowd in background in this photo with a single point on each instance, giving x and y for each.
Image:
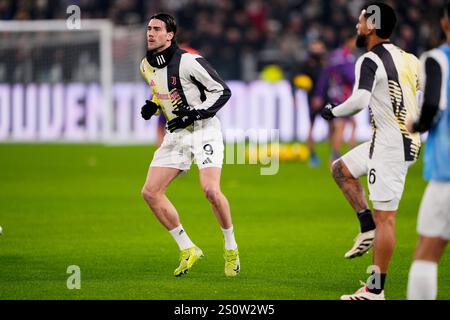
(241, 37)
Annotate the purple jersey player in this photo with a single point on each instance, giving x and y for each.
(335, 86)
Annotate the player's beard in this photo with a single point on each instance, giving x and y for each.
(361, 41)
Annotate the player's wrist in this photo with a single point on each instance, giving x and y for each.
(196, 115)
(185, 116)
(327, 112)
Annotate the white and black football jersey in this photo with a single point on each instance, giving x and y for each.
(181, 78)
(392, 77)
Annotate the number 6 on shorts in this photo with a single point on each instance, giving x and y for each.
(372, 176)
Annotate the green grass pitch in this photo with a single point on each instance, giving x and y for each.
(63, 205)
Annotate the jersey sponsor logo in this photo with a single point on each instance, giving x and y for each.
(163, 96)
(176, 99)
(174, 95)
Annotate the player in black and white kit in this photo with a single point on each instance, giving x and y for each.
(189, 92)
(387, 80)
(433, 223)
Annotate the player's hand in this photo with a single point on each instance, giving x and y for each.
(415, 126)
(149, 109)
(410, 126)
(185, 117)
(327, 112)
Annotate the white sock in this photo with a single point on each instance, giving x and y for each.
(230, 242)
(422, 282)
(181, 237)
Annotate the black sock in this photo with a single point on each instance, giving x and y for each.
(366, 220)
(372, 283)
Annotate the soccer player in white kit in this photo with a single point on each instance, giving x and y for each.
(434, 215)
(189, 92)
(387, 80)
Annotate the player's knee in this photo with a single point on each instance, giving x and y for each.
(150, 194)
(337, 169)
(384, 218)
(212, 193)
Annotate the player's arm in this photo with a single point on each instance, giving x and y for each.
(365, 74)
(216, 91)
(216, 94)
(151, 107)
(433, 97)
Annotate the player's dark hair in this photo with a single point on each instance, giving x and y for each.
(169, 20)
(388, 19)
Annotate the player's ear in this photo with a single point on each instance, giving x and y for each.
(371, 27)
(170, 35)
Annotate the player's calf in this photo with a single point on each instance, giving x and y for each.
(354, 192)
(350, 186)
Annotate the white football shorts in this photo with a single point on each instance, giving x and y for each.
(179, 149)
(434, 213)
(386, 178)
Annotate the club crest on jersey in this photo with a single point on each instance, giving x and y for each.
(174, 80)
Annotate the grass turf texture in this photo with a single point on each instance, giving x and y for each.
(63, 205)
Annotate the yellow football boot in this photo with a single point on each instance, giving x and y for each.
(188, 258)
(232, 265)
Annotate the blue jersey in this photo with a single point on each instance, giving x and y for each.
(435, 66)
